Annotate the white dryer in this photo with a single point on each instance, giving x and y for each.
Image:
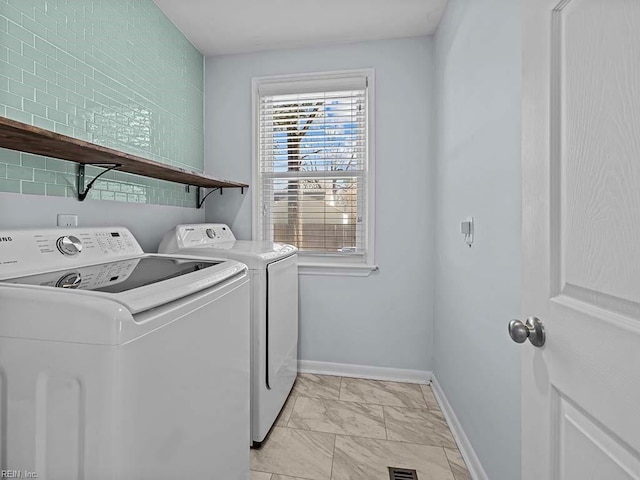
(115, 364)
(273, 269)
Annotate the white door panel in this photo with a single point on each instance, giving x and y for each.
(581, 239)
(588, 451)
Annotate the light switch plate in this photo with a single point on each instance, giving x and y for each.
(466, 229)
(67, 220)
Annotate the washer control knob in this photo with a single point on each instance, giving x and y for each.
(211, 233)
(69, 280)
(69, 245)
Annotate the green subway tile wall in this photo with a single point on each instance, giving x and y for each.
(113, 72)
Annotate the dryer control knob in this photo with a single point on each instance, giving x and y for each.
(211, 233)
(69, 245)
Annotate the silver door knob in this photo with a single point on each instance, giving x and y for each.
(532, 329)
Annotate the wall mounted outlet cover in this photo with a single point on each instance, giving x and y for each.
(67, 220)
(466, 229)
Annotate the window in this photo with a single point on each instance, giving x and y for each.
(314, 171)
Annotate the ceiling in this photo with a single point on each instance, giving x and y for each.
(220, 27)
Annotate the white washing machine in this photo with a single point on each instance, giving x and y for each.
(118, 365)
(273, 268)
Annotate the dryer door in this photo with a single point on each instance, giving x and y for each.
(282, 323)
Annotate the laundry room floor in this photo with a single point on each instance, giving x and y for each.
(337, 428)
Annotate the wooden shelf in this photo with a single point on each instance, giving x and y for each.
(27, 138)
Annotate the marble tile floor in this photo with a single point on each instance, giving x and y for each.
(336, 428)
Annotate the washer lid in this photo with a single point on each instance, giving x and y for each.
(139, 283)
(99, 318)
(116, 277)
(255, 255)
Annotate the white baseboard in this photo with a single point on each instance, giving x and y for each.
(466, 449)
(361, 371)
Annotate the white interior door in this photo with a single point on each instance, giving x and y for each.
(581, 239)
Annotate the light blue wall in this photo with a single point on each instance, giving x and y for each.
(477, 95)
(385, 319)
(148, 223)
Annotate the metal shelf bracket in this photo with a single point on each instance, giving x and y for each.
(200, 199)
(84, 191)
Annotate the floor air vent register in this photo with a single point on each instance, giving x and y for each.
(402, 474)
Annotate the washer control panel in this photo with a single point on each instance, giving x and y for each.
(216, 231)
(26, 251)
(203, 234)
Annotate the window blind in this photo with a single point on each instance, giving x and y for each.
(313, 166)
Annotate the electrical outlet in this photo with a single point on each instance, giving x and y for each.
(67, 220)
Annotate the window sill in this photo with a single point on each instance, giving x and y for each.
(336, 269)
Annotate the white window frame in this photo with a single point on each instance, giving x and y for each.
(317, 264)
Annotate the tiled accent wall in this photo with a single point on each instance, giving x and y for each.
(113, 72)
